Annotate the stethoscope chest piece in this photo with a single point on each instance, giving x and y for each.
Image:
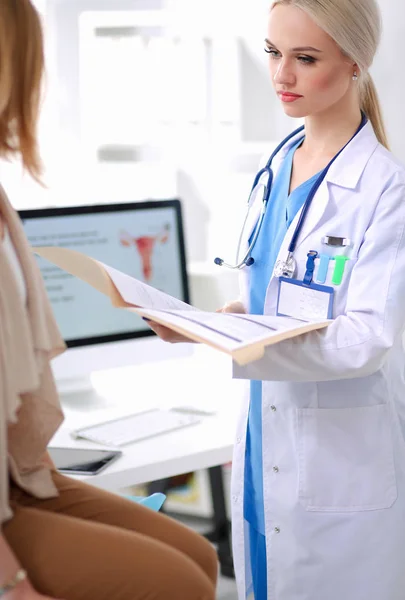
(286, 268)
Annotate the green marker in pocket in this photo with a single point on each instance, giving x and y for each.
(340, 263)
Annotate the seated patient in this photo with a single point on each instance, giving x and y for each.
(60, 539)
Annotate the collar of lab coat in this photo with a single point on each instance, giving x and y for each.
(349, 166)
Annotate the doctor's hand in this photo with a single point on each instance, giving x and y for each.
(233, 307)
(168, 335)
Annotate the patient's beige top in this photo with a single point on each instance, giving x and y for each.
(30, 412)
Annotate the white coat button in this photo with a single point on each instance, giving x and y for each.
(238, 440)
(273, 408)
(235, 498)
(276, 469)
(277, 530)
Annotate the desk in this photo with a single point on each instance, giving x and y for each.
(201, 380)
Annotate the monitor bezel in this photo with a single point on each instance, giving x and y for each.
(174, 203)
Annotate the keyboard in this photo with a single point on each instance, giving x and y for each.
(136, 427)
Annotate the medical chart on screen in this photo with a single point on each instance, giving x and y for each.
(142, 244)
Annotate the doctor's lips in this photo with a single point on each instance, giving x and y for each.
(288, 96)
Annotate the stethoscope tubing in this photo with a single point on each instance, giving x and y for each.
(248, 259)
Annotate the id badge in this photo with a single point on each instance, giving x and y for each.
(304, 301)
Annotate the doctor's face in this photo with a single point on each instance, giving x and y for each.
(309, 71)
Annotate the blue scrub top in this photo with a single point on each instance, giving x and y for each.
(281, 210)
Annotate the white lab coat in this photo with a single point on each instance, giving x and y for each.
(334, 402)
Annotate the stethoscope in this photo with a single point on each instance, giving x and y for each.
(287, 267)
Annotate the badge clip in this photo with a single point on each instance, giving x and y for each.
(310, 268)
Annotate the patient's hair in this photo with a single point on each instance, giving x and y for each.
(21, 73)
(355, 25)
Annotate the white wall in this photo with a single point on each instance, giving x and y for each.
(388, 73)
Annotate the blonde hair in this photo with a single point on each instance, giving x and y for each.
(355, 25)
(21, 73)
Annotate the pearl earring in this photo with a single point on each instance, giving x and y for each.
(355, 76)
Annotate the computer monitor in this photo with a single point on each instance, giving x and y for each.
(144, 240)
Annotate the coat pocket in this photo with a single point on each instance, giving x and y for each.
(346, 461)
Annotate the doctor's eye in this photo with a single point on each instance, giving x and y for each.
(307, 60)
(273, 53)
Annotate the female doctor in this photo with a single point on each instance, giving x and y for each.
(319, 465)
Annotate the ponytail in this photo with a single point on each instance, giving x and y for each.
(370, 105)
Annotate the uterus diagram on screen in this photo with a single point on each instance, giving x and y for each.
(145, 245)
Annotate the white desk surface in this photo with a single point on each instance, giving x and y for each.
(202, 380)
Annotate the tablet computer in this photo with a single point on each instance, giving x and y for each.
(82, 461)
